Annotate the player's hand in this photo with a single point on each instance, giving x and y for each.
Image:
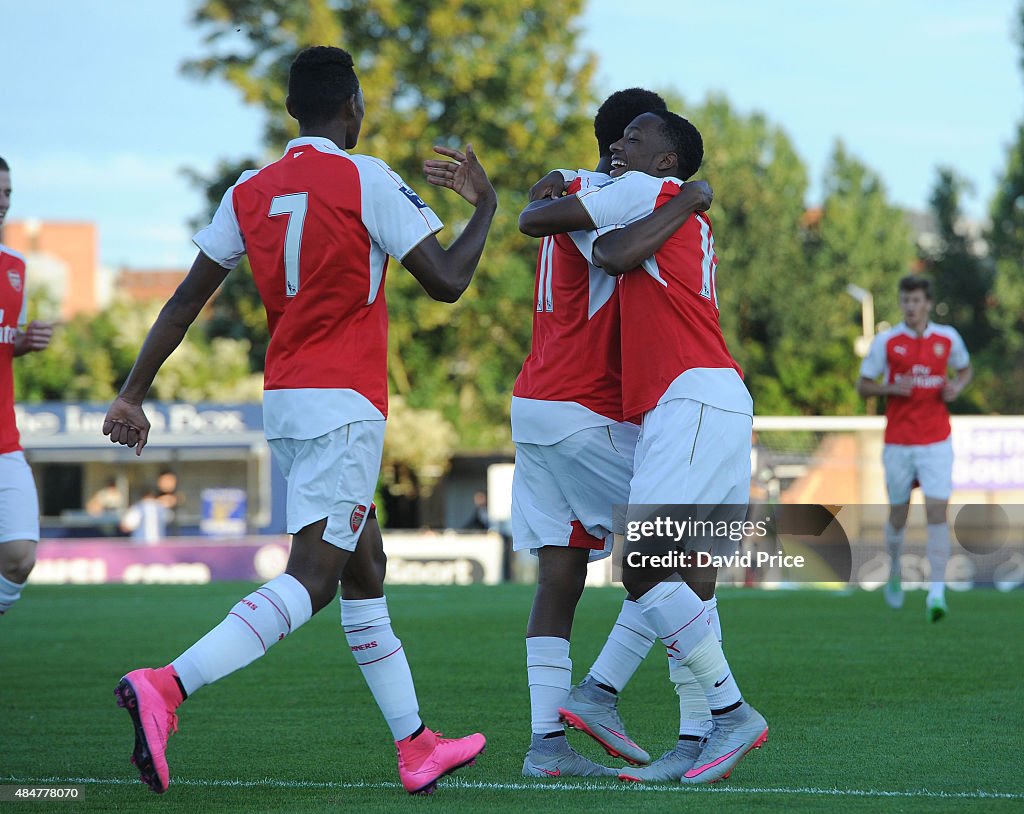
(951, 391)
(551, 185)
(127, 424)
(698, 195)
(900, 388)
(463, 173)
(37, 336)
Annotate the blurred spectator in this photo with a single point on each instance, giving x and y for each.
(169, 496)
(146, 521)
(108, 499)
(480, 518)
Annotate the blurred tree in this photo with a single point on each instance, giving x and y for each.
(507, 77)
(1004, 356)
(963, 283)
(760, 186)
(90, 356)
(860, 238)
(783, 269)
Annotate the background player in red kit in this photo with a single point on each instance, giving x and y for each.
(19, 504)
(678, 375)
(914, 361)
(318, 226)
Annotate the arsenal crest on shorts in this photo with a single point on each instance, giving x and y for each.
(15, 280)
(356, 519)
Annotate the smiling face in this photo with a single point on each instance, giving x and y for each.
(643, 148)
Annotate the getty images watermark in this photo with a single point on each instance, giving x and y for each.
(805, 543)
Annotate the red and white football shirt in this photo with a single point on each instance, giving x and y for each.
(572, 378)
(672, 343)
(899, 355)
(12, 316)
(318, 226)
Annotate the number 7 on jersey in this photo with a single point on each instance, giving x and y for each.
(294, 206)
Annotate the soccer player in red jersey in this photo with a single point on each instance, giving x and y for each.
(680, 380)
(318, 226)
(914, 361)
(19, 504)
(574, 459)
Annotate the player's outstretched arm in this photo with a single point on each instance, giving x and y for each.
(446, 273)
(552, 185)
(126, 423)
(553, 216)
(35, 337)
(625, 249)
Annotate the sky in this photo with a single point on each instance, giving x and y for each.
(98, 122)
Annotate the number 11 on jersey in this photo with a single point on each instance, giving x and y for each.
(294, 206)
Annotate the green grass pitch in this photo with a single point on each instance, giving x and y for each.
(870, 710)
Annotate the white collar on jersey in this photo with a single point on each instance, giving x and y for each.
(319, 142)
(928, 328)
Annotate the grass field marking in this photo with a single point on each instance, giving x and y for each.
(627, 788)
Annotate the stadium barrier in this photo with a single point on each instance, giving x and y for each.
(421, 558)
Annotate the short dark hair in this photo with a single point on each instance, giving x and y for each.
(916, 282)
(4, 167)
(685, 141)
(322, 78)
(618, 110)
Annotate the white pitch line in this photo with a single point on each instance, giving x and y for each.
(627, 788)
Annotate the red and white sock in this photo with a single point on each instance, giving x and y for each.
(549, 675)
(627, 646)
(694, 710)
(381, 658)
(252, 627)
(716, 623)
(677, 615)
(712, 671)
(681, 621)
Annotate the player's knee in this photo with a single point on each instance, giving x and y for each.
(366, 582)
(563, 582)
(322, 593)
(636, 585)
(17, 561)
(322, 587)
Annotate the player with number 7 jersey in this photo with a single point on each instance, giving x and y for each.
(318, 226)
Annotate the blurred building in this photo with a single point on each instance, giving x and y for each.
(142, 285)
(63, 257)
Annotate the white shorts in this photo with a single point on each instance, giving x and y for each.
(692, 453)
(19, 503)
(332, 476)
(562, 494)
(931, 465)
